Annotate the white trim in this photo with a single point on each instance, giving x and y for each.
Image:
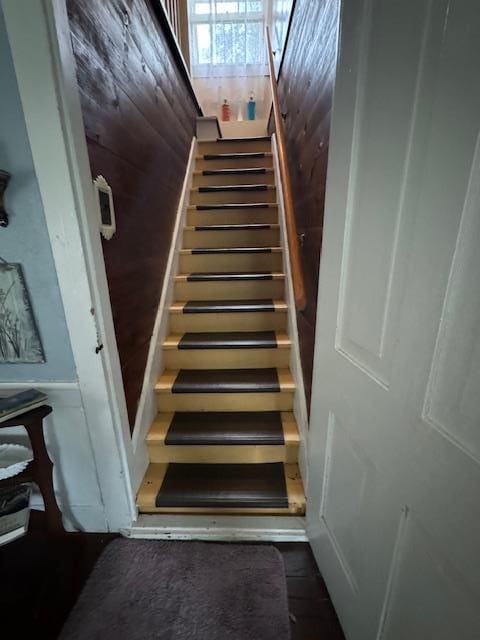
(147, 407)
(219, 528)
(300, 403)
(46, 76)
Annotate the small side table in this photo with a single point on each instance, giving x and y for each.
(40, 468)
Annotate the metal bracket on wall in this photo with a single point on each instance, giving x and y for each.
(4, 180)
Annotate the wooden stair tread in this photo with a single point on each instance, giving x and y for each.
(238, 205)
(229, 306)
(224, 276)
(249, 226)
(220, 381)
(236, 155)
(250, 491)
(229, 340)
(246, 139)
(235, 172)
(223, 486)
(233, 187)
(226, 250)
(224, 428)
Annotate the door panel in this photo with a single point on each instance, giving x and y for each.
(420, 565)
(393, 511)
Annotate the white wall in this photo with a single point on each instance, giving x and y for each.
(88, 434)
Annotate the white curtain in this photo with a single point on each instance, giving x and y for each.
(227, 53)
(227, 37)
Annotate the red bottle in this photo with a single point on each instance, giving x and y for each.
(225, 111)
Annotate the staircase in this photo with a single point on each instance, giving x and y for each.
(225, 438)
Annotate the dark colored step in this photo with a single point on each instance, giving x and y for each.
(229, 340)
(226, 428)
(226, 381)
(234, 250)
(249, 139)
(228, 306)
(233, 187)
(234, 172)
(242, 205)
(227, 277)
(224, 486)
(254, 226)
(233, 156)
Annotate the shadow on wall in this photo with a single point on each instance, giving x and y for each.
(306, 91)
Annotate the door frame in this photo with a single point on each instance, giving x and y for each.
(45, 71)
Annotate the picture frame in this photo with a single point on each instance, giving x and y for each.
(105, 208)
(19, 337)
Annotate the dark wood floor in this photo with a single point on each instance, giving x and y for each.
(40, 580)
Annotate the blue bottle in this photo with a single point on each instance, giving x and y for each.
(251, 108)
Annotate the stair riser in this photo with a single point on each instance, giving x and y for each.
(260, 321)
(231, 238)
(226, 358)
(233, 216)
(234, 196)
(234, 146)
(231, 262)
(256, 178)
(234, 163)
(223, 454)
(240, 290)
(281, 401)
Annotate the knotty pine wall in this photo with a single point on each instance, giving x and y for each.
(306, 90)
(139, 121)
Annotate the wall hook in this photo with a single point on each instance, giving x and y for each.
(4, 180)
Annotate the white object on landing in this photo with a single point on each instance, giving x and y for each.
(14, 458)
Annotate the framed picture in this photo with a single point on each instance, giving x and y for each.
(106, 212)
(19, 337)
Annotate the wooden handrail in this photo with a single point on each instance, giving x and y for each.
(292, 234)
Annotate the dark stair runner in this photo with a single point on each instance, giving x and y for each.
(220, 486)
(226, 428)
(229, 340)
(226, 381)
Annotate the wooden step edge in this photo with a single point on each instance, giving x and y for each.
(225, 207)
(159, 429)
(216, 188)
(233, 155)
(282, 339)
(184, 277)
(279, 305)
(167, 379)
(232, 171)
(259, 226)
(155, 474)
(230, 250)
(223, 452)
(247, 139)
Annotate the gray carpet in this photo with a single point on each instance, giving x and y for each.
(149, 589)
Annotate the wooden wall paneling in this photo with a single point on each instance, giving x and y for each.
(139, 120)
(306, 90)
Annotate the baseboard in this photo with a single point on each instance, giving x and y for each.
(219, 528)
(147, 407)
(300, 403)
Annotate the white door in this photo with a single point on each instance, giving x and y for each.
(394, 470)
